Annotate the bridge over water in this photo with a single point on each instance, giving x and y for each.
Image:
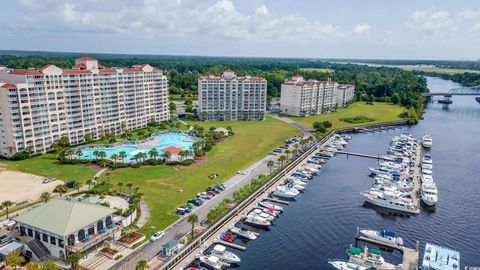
(461, 91)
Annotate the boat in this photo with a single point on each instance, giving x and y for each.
(427, 141)
(342, 265)
(268, 204)
(227, 237)
(427, 166)
(426, 172)
(257, 222)
(285, 192)
(259, 213)
(390, 200)
(429, 193)
(244, 233)
(326, 153)
(371, 258)
(293, 185)
(212, 262)
(385, 236)
(221, 252)
(477, 99)
(427, 159)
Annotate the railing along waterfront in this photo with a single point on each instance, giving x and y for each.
(174, 260)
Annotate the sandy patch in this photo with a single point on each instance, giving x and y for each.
(18, 187)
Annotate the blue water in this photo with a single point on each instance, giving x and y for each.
(160, 142)
(322, 222)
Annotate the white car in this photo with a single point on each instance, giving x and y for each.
(242, 172)
(156, 236)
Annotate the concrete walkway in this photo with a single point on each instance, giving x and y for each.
(305, 129)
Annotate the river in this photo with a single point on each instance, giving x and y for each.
(322, 222)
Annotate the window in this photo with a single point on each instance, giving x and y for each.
(30, 232)
(53, 240)
(60, 243)
(45, 237)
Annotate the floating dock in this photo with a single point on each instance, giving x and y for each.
(359, 155)
(228, 244)
(273, 200)
(410, 255)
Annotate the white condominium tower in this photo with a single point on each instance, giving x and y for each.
(300, 97)
(230, 97)
(39, 106)
(345, 94)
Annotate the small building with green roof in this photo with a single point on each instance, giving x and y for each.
(64, 225)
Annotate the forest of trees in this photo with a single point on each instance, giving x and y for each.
(378, 83)
(466, 79)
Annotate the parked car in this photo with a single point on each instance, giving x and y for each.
(217, 190)
(211, 192)
(181, 211)
(156, 236)
(188, 208)
(221, 186)
(48, 180)
(204, 195)
(70, 184)
(242, 172)
(212, 189)
(196, 201)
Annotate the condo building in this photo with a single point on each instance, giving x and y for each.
(345, 94)
(300, 97)
(230, 97)
(39, 106)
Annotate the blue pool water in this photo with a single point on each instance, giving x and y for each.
(159, 142)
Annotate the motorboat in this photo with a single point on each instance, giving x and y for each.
(244, 233)
(260, 214)
(221, 252)
(427, 159)
(227, 237)
(427, 141)
(429, 193)
(286, 192)
(297, 181)
(268, 204)
(426, 172)
(385, 236)
(390, 200)
(293, 185)
(342, 265)
(427, 166)
(369, 258)
(212, 262)
(257, 222)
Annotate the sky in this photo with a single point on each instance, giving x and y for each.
(362, 29)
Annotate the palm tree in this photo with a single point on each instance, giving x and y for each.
(122, 155)
(138, 156)
(89, 183)
(153, 153)
(108, 177)
(77, 186)
(96, 153)
(192, 219)
(45, 196)
(15, 258)
(78, 153)
(129, 186)
(114, 157)
(73, 259)
(108, 186)
(28, 150)
(6, 205)
(141, 265)
(287, 152)
(60, 189)
(294, 152)
(102, 154)
(135, 190)
(270, 164)
(120, 185)
(168, 154)
(282, 159)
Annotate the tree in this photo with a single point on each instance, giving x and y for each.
(172, 107)
(15, 258)
(287, 152)
(270, 165)
(370, 99)
(77, 186)
(108, 186)
(73, 259)
(120, 185)
(135, 190)
(108, 176)
(129, 186)
(89, 182)
(114, 157)
(102, 154)
(6, 205)
(318, 126)
(96, 153)
(10, 150)
(167, 154)
(88, 138)
(192, 219)
(141, 265)
(122, 155)
(60, 189)
(327, 124)
(28, 150)
(153, 153)
(395, 98)
(282, 159)
(45, 196)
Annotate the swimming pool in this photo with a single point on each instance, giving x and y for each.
(160, 142)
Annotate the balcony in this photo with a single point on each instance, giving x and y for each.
(92, 240)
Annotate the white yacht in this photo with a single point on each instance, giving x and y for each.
(260, 214)
(389, 237)
(295, 186)
(369, 258)
(429, 193)
(243, 232)
(427, 166)
(224, 255)
(390, 200)
(268, 204)
(426, 172)
(257, 222)
(427, 159)
(212, 262)
(342, 265)
(286, 192)
(427, 141)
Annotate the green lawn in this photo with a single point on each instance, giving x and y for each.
(161, 185)
(47, 165)
(380, 112)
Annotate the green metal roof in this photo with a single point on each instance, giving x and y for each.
(64, 217)
(355, 250)
(375, 251)
(170, 244)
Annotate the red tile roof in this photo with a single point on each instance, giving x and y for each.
(45, 67)
(26, 72)
(174, 150)
(73, 71)
(8, 86)
(228, 70)
(85, 58)
(79, 66)
(110, 70)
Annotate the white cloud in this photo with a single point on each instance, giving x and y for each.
(470, 14)
(431, 23)
(361, 28)
(181, 18)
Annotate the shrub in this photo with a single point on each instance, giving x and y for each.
(21, 155)
(136, 165)
(154, 161)
(187, 162)
(173, 162)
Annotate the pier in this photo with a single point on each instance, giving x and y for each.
(360, 155)
(410, 255)
(228, 244)
(416, 176)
